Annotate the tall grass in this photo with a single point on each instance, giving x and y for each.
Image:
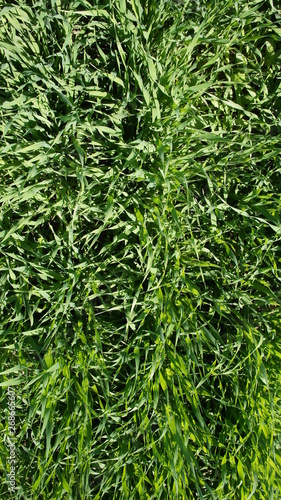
(140, 248)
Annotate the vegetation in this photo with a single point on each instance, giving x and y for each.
(140, 248)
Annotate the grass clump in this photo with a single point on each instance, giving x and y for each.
(140, 248)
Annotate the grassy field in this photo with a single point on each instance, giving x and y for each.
(140, 248)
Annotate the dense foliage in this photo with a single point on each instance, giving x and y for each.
(140, 248)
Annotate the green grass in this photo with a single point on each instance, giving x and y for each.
(140, 248)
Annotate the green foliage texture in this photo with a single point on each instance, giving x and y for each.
(140, 248)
